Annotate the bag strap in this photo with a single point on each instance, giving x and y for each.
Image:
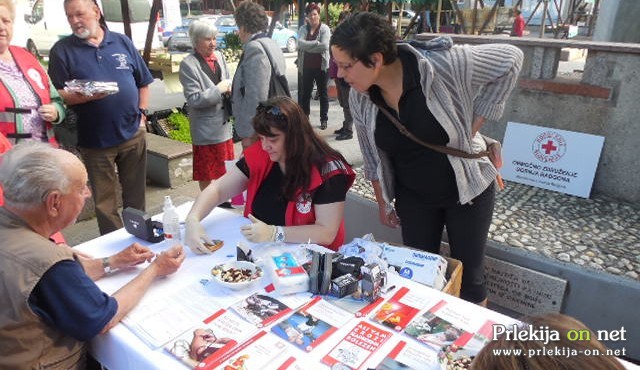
(274, 75)
(266, 51)
(438, 148)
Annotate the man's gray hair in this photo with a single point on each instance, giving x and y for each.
(31, 170)
(201, 29)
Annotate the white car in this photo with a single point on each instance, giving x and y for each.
(407, 15)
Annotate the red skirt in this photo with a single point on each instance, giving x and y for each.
(208, 160)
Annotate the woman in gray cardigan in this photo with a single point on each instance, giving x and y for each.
(205, 82)
(443, 98)
(251, 80)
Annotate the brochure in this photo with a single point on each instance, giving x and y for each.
(400, 309)
(357, 346)
(156, 321)
(290, 362)
(203, 344)
(443, 328)
(262, 309)
(257, 353)
(311, 324)
(410, 356)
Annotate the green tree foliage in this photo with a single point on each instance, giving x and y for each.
(334, 11)
(232, 41)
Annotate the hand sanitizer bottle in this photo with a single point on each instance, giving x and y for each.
(170, 223)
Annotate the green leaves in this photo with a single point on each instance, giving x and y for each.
(181, 128)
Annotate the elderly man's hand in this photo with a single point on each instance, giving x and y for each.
(133, 255)
(168, 262)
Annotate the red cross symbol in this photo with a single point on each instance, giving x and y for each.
(549, 147)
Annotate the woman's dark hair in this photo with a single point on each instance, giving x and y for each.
(311, 7)
(363, 34)
(303, 148)
(251, 16)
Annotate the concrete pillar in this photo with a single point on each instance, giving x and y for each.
(618, 21)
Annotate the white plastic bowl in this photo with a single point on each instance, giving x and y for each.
(252, 273)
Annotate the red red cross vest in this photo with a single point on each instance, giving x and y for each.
(4, 146)
(300, 212)
(39, 82)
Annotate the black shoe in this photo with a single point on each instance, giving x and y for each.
(225, 205)
(339, 131)
(344, 136)
(323, 125)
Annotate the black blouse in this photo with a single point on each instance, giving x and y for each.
(421, 174)
(269, 204)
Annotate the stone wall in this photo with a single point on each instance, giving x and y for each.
(603, 102)
(618, 21)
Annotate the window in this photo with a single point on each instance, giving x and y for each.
(37, 13)
(139, 10)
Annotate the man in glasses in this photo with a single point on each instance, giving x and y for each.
(110, 126)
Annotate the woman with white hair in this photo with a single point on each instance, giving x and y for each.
(205, 81)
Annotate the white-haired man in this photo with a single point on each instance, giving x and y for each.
(50, 304)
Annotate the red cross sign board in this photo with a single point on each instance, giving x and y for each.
(559, 160)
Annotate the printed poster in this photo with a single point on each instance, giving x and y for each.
(548, 158)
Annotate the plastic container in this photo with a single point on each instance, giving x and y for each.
(288, 276)
(170, 223)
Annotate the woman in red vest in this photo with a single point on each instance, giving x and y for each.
(296, 183)
(28, 102)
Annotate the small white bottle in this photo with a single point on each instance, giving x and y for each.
(170, 223)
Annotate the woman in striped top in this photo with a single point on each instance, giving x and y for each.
(442, 95)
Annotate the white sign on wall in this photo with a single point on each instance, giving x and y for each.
(549, 158)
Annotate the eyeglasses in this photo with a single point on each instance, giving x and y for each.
(272, 110)
(347, 66)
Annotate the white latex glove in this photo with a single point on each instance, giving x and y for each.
(258, 231)
(224, 86)
(195, 236)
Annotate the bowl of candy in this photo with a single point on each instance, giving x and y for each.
(236, 275)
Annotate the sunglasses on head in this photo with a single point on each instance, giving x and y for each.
(272, 110)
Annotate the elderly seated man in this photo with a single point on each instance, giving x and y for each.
(50, 304)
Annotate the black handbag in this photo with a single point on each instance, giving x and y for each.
(66, 132)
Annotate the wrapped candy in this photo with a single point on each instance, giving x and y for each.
(90, 88)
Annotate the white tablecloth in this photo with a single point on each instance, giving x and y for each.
(122, 349)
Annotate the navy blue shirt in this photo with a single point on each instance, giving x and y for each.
(68, 300)
(114, 119)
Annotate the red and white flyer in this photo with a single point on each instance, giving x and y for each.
(357, 346)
